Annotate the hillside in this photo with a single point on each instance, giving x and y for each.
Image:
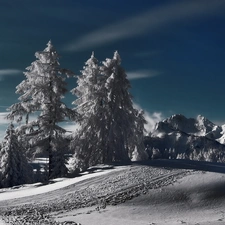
(132, 194)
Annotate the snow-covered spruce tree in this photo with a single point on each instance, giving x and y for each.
(14, 167)
(137, 146)
(111, 129)
(123, 120)
(87, 85)
(41, 93)
(89, 141)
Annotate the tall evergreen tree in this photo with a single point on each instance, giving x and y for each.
(87, 89)
(124, 123)
(89, 140)
(14, 167)
(136, 144)
(41, 93)
(110, 128)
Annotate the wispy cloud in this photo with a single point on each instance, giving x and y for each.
(139, 74)
(3, 120)
(151, 118)
(150, 21)
(8, 72)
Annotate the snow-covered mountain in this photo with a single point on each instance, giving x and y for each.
(200, 126)
(187, 135)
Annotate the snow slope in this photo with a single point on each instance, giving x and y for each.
(38, 188)
(197, 199)
(133, 194)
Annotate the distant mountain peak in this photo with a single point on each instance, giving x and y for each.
(203, 119)
(200, 117)
(188, 136)
(199, 126)
(175, 117)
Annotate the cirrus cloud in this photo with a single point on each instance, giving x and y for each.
(3, 120)
(8, 72)
(149, 21)
(139, 74)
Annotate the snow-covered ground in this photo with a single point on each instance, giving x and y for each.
(38, 188)
(133, 194)
(196, 199)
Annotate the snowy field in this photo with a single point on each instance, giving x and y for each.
(132, 194)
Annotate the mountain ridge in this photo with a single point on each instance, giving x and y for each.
(199, 126)
(189, 138)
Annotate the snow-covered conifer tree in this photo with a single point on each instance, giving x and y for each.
(41, 93)
(136, 144)
(89, 140)
(123, 120)
(14, 167)
(87, 89)
(111, 129)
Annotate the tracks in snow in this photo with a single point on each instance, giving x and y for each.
(113, 188)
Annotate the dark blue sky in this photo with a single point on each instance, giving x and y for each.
(173, 51)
